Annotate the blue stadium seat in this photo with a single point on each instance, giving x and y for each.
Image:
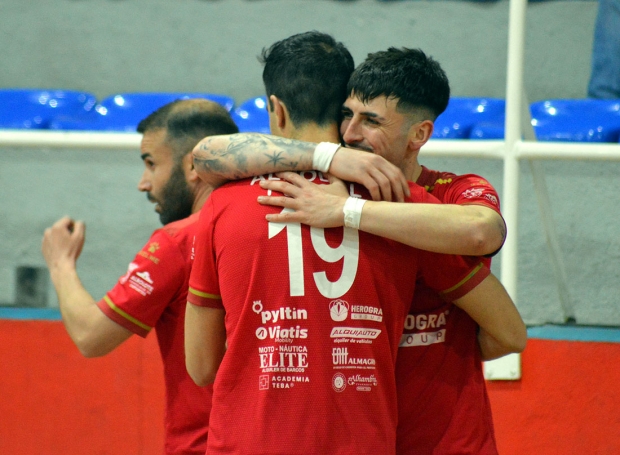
(488, 130)
(123, 112)
(463, 113)
(251, 116)
(576, 120)
(37, 108)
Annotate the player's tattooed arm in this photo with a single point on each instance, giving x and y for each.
(219, 159)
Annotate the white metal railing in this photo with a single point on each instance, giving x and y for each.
(69, 139)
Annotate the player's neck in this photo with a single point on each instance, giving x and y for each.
(315, 133)
(410, 166)
(415, 172)
(201, 195)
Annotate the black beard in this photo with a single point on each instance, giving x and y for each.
(177, 199)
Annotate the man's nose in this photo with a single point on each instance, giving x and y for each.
(352, 133)
(144, 184)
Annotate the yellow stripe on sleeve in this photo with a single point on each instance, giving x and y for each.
(125, 315)
(464, 280)
(204, 294)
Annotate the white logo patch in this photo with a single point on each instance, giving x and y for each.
(146, 276)
(338, 310)
(491, 198)
(472, 193)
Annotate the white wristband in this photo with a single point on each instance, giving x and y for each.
(323, 156)
(353, 212)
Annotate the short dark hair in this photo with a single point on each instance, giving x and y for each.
(309, 73)
(407, 75)
(187, 122)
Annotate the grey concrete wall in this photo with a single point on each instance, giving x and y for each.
(138, 45)
(585, 207)
(141, 45)
(39, 186)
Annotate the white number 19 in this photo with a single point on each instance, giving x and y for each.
(348, 249)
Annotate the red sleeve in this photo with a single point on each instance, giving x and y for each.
(204, 288)
(452, 276)
(472, 189)
(140, 296)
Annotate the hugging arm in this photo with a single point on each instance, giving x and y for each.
(472, 230)
(219, 159)
(502, 331)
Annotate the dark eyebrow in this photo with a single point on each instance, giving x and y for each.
(144, 155)
(370, 114)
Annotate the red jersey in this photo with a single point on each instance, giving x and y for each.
(442, 399)
(153, 293)
(313, 321)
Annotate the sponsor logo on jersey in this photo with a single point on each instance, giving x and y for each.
(279, 333)
(362, 383)
(140, 286)
(443, 181)
(338, 310)
(473, 192)
(146, 276)
(340, 358)
(289, 379)
(491, 198)
(150, 251)
(408, 340)
(365, 312)
(355, 332)
(282, 334)
(339, 382)
(282, 313)
(284, 359)
(280, 381)
(425, 321)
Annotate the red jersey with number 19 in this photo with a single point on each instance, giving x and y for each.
(313, 321)
(153, 293)
(442, 399)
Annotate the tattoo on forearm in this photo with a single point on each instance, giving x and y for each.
(252, 153)
(274, 157)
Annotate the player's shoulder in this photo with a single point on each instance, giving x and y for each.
(420, 193)
(473, 180)
(433, 180)
(429, 178)
(181, 228)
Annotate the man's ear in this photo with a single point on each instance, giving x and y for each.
(280, 112)
(420, 133)
(188, 167)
